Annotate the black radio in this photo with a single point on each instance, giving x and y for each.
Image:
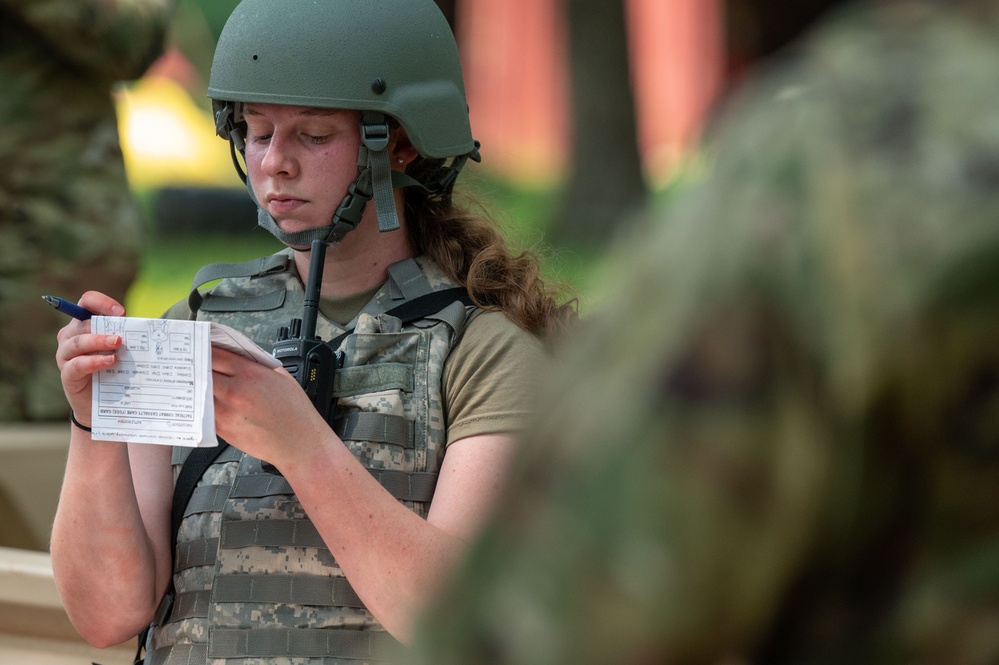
(309, 359)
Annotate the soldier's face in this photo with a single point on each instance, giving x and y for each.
(300, 161)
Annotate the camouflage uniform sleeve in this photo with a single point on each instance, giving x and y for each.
(682, 444)
(114, 39)
(776, 432)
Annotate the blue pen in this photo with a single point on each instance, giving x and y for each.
(66, 307)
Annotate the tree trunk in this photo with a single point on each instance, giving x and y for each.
(606, 183)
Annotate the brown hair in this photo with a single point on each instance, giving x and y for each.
(472, 251)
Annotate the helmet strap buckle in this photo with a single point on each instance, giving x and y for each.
(375, 131)
(348, 213)
(375, 135)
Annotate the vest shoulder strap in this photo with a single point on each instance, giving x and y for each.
(255, 267)
(420, 308)
(194, 467)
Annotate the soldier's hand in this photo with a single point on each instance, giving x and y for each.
(81, 353)
(263, 411)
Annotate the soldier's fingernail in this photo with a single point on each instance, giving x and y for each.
(117, 310)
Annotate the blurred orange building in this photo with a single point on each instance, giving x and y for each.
(514, 54)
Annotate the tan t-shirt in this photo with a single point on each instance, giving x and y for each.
(490, 377)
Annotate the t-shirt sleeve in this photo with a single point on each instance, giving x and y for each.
(491, 377)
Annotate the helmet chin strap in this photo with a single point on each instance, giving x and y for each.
(375, 179)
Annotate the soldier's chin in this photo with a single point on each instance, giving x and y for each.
(289, 226)
(294, 226)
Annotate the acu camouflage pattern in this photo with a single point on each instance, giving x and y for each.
(67, 222)
(778, 441)
(401, 370)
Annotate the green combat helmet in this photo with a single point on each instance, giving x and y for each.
(393, 58)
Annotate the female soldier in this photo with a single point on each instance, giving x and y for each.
(319, 533)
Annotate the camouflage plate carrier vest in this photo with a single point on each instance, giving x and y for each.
(254, 581)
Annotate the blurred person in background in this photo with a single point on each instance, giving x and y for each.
(778, 442)
(67, 218)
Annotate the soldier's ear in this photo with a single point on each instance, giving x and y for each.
(401, 150)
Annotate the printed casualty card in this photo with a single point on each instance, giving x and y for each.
(160, 390)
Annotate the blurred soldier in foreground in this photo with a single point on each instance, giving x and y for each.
(66, 217)
(779, 440)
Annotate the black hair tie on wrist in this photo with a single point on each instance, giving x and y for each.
(72, 419)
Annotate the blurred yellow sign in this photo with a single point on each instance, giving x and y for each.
(167, 140)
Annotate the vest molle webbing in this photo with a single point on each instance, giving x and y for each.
(253, 579)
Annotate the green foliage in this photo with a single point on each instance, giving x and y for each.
(215, 12)
(524, 216)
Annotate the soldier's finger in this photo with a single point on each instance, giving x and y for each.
(81, 367)
(74, 327)
(87, 345)
(101, 304)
